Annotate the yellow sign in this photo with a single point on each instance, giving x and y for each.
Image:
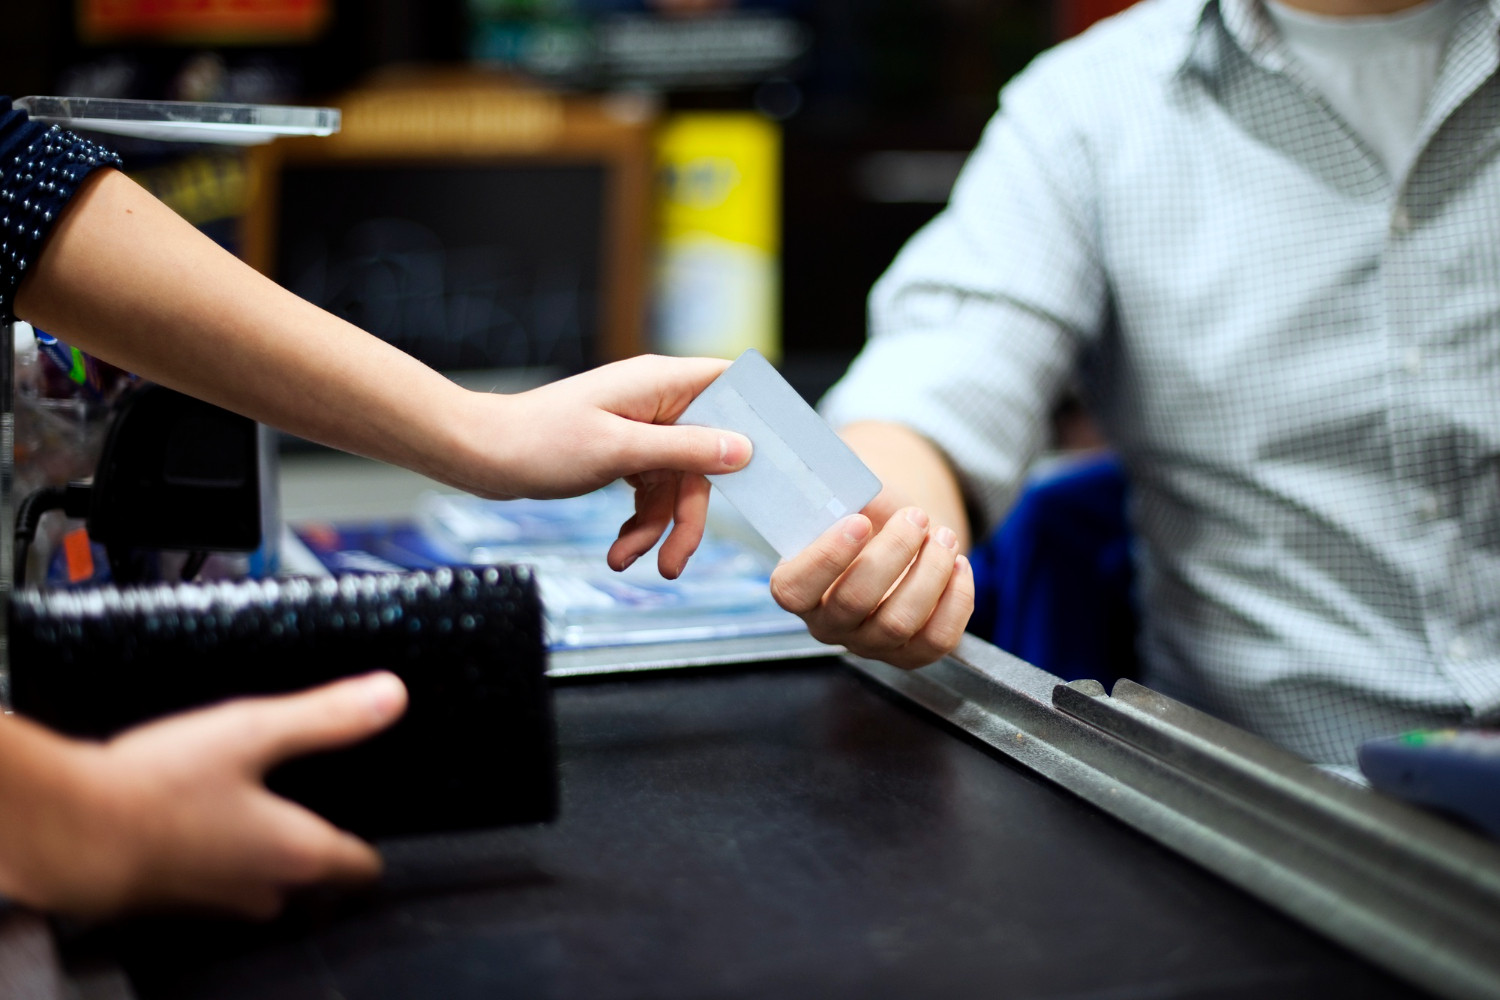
(718, 274)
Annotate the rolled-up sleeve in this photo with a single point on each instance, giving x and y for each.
(976, 326)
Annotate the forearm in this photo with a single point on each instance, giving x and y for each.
(126, 279)
(914, 471)
(43, 798)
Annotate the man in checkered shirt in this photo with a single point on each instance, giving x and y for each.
(1264, 236)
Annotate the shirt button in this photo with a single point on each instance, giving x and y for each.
(1458, 649)
(1401, 220)
(1429, 506)
(1411, 360)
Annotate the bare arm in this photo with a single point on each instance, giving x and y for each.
(126, 279)
(891, 582)
(913, 471)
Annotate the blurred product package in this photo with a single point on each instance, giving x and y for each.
(718, 280)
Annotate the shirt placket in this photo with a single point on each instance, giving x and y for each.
(1438, 383)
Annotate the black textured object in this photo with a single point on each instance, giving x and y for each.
(475, 748)
(177, 473)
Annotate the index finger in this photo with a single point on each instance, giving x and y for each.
(271, 730)
(798, 584)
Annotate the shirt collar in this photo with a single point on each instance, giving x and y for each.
(1247, 26)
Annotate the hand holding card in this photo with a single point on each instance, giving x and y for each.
(889, 585)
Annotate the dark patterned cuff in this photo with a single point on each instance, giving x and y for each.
(40, 168)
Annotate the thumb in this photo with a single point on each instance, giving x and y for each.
(335, 715)
(682, 448)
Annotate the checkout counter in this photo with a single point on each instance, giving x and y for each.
(766, 817)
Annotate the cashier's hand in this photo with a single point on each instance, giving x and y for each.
(175, 814)
(886, 584)
(581, 433)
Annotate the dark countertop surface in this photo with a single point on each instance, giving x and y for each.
(785, 831)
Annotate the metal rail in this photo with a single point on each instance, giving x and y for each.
(607, 660)
(1410, 892)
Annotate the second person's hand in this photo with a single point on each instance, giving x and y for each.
(885, 584)
(175, 813)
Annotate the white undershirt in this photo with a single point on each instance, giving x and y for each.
(1377, 72)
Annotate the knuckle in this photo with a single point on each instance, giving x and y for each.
(892, 628)
(825, 633)
(943, 637)
(845, 604)
(788, 595)
(902, 533)
(830, 563)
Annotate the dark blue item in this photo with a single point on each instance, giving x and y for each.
(40, 168)
(1454, 771)
(1054, 583)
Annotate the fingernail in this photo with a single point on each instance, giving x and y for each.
(734, 451)
(917, 516)
(946, 538)
(855, 528)
(963, 561)
(628, 563)
(385, 694)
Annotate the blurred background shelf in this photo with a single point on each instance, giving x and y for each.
(867, 110)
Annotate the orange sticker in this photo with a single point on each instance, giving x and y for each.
(79, 555)
(202, 21)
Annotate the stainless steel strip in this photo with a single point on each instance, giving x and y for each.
(606, 660)
(1411, 893)
(1447, 859)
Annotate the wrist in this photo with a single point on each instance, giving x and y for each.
(50, 797)
(478, 444)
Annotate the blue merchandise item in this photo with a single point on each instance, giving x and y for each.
(1054, 583)
(1454, 771)
(40, 168)
(372, 547)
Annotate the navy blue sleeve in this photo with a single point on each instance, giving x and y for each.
(40, 167)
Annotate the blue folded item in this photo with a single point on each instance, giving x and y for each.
(1054, 583)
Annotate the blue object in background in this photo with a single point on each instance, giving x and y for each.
(1453, 771)
(1054, 583)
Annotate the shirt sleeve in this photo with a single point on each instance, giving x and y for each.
(40, 168)
(976, 327)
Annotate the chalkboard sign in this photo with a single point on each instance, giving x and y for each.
(472, 226)
(462, 266)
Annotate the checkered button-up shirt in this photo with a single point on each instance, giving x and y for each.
(1296, 354)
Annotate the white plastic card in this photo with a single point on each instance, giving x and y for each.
(801, 477)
